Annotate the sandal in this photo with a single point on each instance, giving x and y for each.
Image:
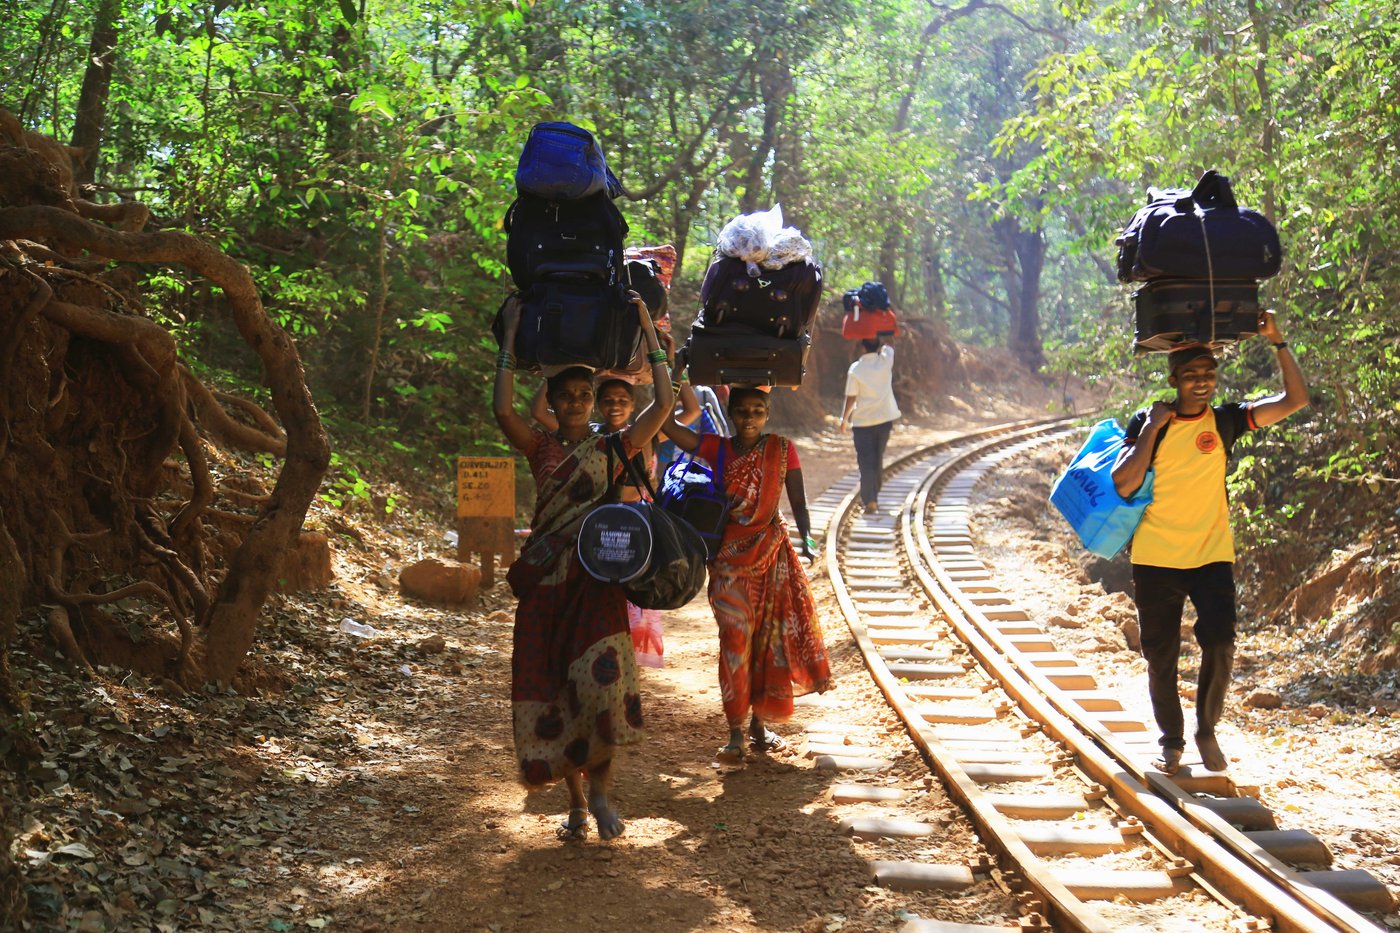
(575, 828)
(768, 742)
(731, 754)
(1170, 762)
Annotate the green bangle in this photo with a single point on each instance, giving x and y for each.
(656, 356)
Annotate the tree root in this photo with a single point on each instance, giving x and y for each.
(215, 419)
(61, 631)
(226, 619)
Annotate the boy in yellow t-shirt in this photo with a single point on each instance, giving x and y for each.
(1183, 547)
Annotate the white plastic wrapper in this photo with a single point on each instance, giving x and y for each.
(788, 246)
(750, 237)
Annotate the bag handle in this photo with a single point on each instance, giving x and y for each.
(638, 476)
(1213, 190)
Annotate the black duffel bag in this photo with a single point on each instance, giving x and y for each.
(611, 544)
(573, 322)
(1198, 234)
(778, 302)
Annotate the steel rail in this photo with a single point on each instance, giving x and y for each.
(1217, 856)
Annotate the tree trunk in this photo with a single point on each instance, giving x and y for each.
(1266, 108)
(91, 113)
(1023, 260)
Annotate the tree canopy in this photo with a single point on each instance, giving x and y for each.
(978, 157)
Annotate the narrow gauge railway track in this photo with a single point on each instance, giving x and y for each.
(1052, 772)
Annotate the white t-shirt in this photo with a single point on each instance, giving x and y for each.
(869, 380)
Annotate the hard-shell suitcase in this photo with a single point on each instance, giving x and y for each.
(1172, 313)
(737, 356)
(1200, 233)
(780, 302)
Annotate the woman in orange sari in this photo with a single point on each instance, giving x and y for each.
(574, 685)
(770, 638)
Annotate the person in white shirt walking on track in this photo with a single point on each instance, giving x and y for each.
(871, 412)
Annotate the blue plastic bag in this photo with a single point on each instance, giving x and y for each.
(561, 161)
(1086, 497)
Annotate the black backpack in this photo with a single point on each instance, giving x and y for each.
(873, 296)
(579, 239)
(1197, 234)
(570, 322)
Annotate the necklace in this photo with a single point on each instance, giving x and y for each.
(738, 451)
(569, 442)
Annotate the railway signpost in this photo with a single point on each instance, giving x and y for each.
(486, 512)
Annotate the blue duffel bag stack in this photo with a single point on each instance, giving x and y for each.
(565, 253)
(1200, 258)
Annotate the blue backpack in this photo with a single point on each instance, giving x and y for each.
(1087, 498)
(694, 491)
(563, 162)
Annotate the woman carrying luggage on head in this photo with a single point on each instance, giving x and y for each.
(574, 691)
(771, 647)
(616, 405)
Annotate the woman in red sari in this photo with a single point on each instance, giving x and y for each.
(770, 639)
(574, 692)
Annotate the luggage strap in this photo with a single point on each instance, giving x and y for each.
(1210, 268)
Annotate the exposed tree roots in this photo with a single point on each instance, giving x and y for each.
(112, 527)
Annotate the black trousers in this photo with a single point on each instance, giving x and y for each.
(1161, 594)
(870, 457)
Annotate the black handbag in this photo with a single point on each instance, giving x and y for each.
(675, 564)
(694, 491)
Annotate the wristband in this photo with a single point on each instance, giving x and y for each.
(656, 356)
(810, 542)
(1282, 344)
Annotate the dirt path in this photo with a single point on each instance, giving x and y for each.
(371, 784)
(751, 848)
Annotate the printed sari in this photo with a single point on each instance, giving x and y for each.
(771, 647)
(574, 686)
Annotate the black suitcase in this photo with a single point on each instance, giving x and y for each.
(565, 322)
(781, 302)
(1200, 233)
(737, 356)
(1172, 313)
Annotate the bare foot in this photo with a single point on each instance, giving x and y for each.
(1170, 762)
(610, 825)
(575, 828)
(1211, 755)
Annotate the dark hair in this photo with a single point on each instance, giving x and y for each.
(642, 277)
(614, 381)
(871, 346)
(739, 394)
(554, 383)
